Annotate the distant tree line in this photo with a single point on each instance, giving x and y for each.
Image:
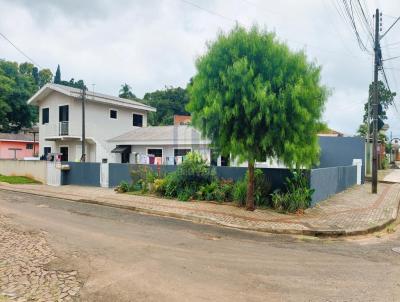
(18, 82)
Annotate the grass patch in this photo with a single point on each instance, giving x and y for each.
(3, 298)
(17, 180)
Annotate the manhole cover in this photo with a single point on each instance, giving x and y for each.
(396, 249)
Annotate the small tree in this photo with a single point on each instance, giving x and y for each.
(57, 77)
(254, 98)
(126, 92)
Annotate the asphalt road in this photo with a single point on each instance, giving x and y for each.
(126, 256)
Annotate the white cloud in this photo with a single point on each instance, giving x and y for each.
(150, 44)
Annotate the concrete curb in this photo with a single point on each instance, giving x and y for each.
(204, 220)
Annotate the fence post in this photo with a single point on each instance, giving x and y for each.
(358, 163)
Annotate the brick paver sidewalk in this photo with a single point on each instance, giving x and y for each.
(354, 211)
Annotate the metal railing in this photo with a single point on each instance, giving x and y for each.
(63, 128)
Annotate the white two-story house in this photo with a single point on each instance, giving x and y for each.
(60, 122)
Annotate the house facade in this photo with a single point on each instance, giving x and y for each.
(17, 146)
(60, 121)
(166, 145)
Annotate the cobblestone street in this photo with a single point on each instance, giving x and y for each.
(24, 276)
(55, 249)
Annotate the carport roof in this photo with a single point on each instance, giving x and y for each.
(161, 135)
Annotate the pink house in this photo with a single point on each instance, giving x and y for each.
(17, 145)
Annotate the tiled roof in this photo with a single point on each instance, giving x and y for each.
(165, 135)
(18, 137)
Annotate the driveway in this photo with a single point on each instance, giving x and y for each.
(121, 255)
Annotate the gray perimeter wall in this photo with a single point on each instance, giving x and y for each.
(121, 172)
(82, 174)
(329, 181)
(340, 151)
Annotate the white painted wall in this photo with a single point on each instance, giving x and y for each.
(99, 126)
(168, 151)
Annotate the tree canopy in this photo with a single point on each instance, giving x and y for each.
(17, 84)
(57, 77)
(255, 98)
(126, 92)
(386, 99)
(170, 101)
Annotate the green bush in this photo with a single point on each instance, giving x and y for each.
(240, 192)
(262, 189)
(297, 197)
(123, 187)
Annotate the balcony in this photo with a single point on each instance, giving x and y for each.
(63, 128)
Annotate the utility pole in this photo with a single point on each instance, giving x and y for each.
(368, 124)
(83, 157)
(375, 104)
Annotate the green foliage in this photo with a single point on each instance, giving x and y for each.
(168, 102)
(57, 77)
(240, 192)
(262, 188)
(386, 99)
(126, 92)
(17, 180)
(17, 84)
(75, 84)
(297, 197)
(143, 178)
(255, 98)
(123, 187)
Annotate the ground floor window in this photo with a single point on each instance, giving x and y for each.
(179, 155)
(181, 152)
(64, 153)
(29, 146)
(46, 151)
(214, 157)
(155, 152)
(225, 161)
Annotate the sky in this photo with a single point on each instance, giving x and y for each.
(150, 44)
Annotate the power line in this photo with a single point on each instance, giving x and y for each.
(210, 11)
(20, 51)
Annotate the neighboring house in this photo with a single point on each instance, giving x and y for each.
(17, 145)
(330, 132)
(60, 121)
(182, 120)
(162, 144)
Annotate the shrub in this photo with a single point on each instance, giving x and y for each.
(297, 197)
(226, 186)
(240, 192)
(262, 188)
(159, 186)
(142, 178)
(123, 187)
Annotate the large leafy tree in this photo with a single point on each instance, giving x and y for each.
(126, 92)
(386, 99)
(170, 101)
(255, 98)
(17, 84)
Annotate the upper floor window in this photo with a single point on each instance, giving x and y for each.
(137, 120)
(45, 116)
(113, 114)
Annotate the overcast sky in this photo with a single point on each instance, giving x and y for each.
(153, 43)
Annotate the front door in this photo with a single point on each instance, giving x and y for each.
(64, 153)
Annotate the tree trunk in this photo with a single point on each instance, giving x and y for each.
(250, 188)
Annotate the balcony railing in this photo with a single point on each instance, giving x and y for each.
(63, 128)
